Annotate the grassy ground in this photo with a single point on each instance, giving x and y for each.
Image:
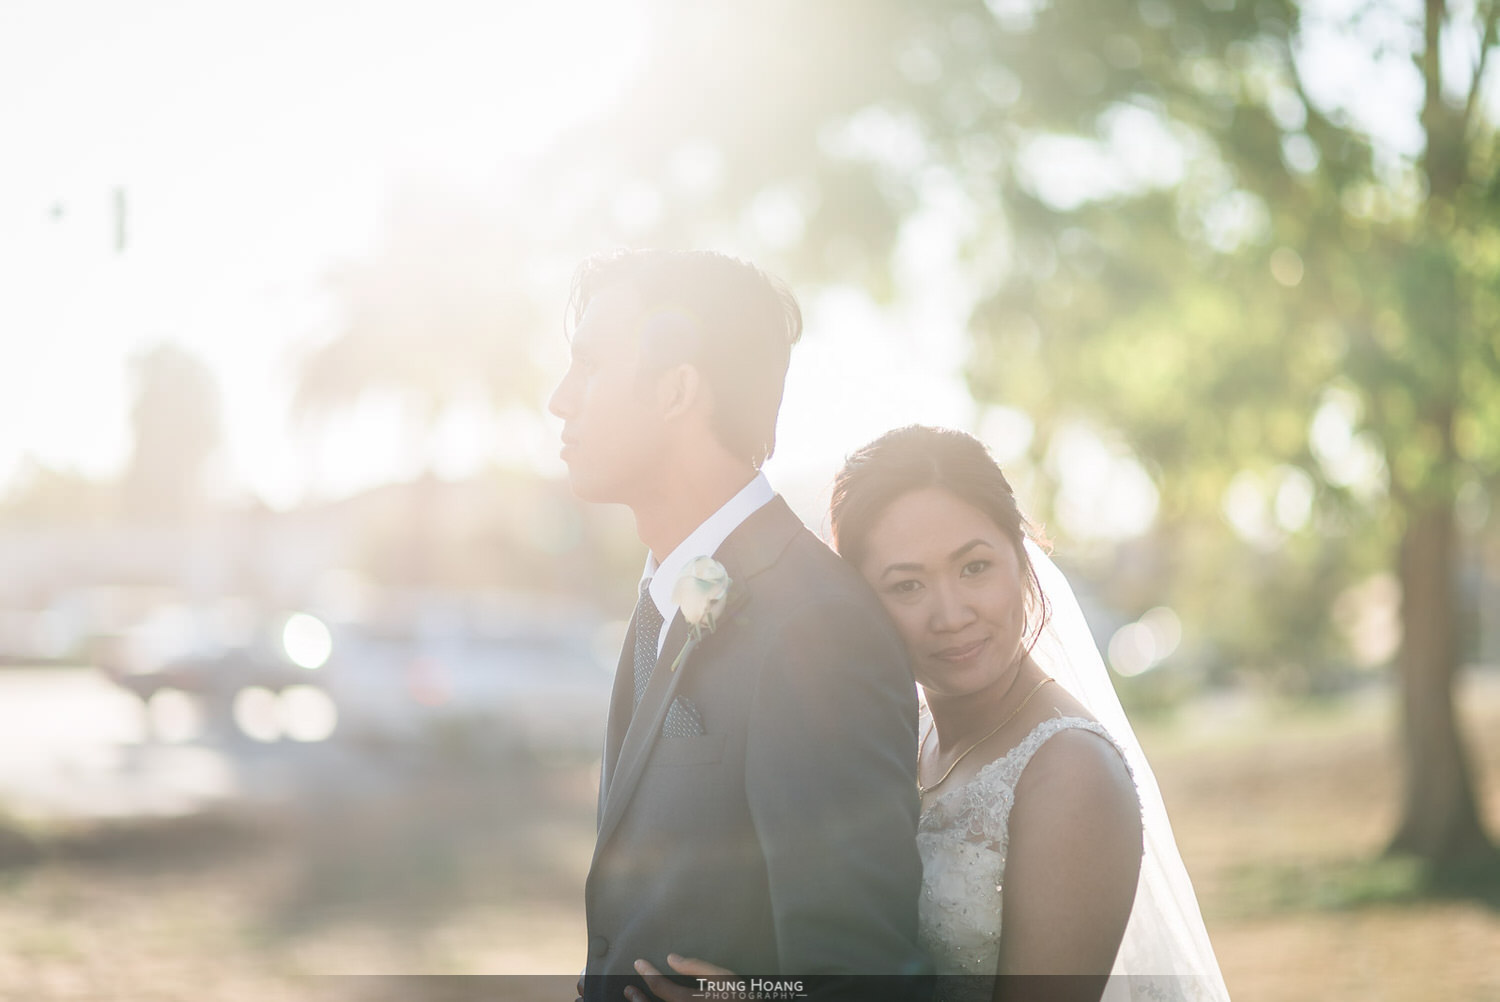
(1280, 814)
(1282, 818)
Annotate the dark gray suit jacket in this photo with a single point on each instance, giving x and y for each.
(782, 840)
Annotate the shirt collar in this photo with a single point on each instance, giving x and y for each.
(703, 541)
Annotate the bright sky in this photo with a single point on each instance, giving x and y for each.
(258, 146)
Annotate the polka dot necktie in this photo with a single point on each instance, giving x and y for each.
(647, 632)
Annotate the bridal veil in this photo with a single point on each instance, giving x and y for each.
(1166, 952)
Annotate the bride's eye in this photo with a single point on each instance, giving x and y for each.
(909, 586)
(974, 567)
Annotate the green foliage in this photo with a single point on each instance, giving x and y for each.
(1202, 311)
(1272, 890)
(1242, 255)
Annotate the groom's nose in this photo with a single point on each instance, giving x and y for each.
(560, 402)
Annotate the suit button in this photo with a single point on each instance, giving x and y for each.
(598, 946)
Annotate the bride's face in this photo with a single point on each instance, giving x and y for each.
(952, 582)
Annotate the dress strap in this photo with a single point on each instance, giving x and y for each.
(1009, 767)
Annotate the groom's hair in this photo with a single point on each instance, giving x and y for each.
(725, 316)
(916, 457)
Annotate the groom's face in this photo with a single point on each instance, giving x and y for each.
(611, 430)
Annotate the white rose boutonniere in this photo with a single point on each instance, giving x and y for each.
(701, 592)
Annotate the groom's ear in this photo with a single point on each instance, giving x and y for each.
(679, 389)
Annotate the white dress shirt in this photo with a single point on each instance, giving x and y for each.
(701, 542)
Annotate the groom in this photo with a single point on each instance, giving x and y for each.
(757, 803)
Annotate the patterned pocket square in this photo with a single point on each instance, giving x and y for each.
(683, 720)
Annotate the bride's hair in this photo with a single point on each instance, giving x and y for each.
(916, 457)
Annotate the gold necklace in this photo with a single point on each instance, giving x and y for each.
(922, 791)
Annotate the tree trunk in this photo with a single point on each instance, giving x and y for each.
(1440, 820)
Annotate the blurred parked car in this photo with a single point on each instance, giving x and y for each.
(538, 685)
(512, 674)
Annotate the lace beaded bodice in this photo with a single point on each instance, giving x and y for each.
(963, 837)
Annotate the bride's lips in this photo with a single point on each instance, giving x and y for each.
(962, 653)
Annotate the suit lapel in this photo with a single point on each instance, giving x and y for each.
(644, 729)
(751, 548)
(619, 714)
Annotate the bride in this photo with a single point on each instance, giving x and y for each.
(1045, 845)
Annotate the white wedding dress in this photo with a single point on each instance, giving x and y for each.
(963, 838)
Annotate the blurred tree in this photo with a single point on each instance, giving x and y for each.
(1185, 222)
(1290, 265)
(441, 313)
(40, 495)
(176, 424)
